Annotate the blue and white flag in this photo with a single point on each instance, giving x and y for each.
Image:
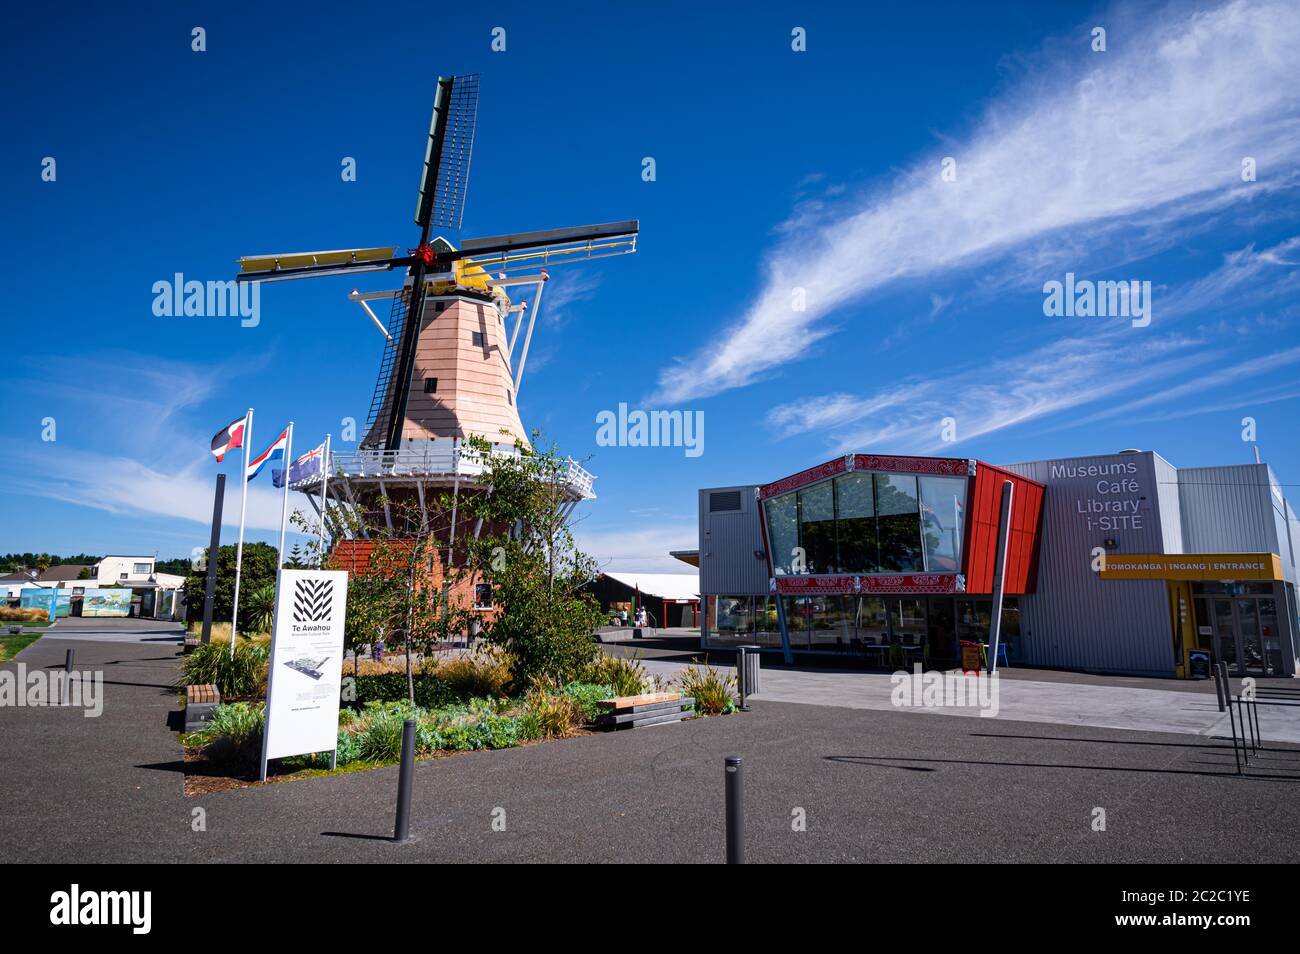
(308, 465)
(274, 452)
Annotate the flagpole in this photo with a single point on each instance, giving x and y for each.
(284, 504)
(243, 511)
(324, 499)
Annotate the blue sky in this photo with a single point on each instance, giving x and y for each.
(776, 170)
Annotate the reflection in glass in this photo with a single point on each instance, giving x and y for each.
(782, 515)
(943, 500)
(817, 527)
(908, 619)
(898, 522)
(796, 621)
(855, 509)
(831, 623)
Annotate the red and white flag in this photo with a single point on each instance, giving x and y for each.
(229, 437)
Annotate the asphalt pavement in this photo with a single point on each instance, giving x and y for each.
(822, 784)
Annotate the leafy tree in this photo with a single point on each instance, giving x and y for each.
(259, 609)
(258, 571)
(545, 620)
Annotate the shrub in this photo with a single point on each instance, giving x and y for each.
(219, 631)
(481, 675)
(23, 614)
(712, 692)
(587, 697)
(244, 675)
(381, 739)
(430, 691)
(626, 677)
(556, 714)
(234, 736)
(349, 748)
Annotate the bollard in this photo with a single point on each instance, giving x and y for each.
(67, 660)
(1233, 720)
(740, 677)
(735, 811)
(1254, 708)
(1218, 686)
(402, 827)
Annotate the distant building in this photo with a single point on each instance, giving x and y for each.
(670, 599)
(116, 586)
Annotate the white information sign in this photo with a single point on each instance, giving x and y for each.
(306, 671)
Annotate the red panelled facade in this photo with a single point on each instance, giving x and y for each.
(981, 544)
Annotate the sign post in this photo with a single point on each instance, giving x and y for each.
(305, 675)
(1000, 575)
(214, 548)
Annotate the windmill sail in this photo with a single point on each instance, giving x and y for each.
(444, 177)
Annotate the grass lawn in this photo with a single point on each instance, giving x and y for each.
(10, 646)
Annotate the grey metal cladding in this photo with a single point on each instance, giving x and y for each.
(1227, 509)
(1075, 620)
(729, 540)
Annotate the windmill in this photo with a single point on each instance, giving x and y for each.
(445, 377)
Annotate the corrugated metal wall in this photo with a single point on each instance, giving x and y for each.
(1169, 500)
(728, 541)
(1227, 509)
(1074, 620)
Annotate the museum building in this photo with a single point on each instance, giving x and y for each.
(1118, 563)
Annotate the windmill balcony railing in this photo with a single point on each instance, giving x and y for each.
(433, 460)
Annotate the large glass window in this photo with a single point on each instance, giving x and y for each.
(830, 624)
(796, 620)
(943, 502)
(782, 531)
(870, 620)
(855, 509)
(907, 617)
(767, 630)
(817, 527)
(898, 522)
(735, 620)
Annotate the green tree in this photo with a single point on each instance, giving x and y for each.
(545, 620)
(258, 571)
(259, 609)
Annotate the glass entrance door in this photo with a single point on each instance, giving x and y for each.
(1250, 648)
(1225, 632)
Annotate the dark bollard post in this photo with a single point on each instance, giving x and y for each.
(67, 660)
(1218, 686)
(1233, 720)
(735, 811)
(402, 827)
(740, 677)
(1259, 733)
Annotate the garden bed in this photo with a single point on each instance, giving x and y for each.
(462, 706)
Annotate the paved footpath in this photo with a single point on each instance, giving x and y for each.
(873, 785)
(1023, 698)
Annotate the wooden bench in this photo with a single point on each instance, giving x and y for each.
(191, 644)
(651, 708)
(199, 703)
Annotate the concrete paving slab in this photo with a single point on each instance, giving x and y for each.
(1023, 700)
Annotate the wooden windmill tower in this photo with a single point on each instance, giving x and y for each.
(456, 344)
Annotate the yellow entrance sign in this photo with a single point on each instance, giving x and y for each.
(1192, 566)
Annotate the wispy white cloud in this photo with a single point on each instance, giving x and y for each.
(1155, 130)
(126, 486)
(1033, 386)
(642, 549)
